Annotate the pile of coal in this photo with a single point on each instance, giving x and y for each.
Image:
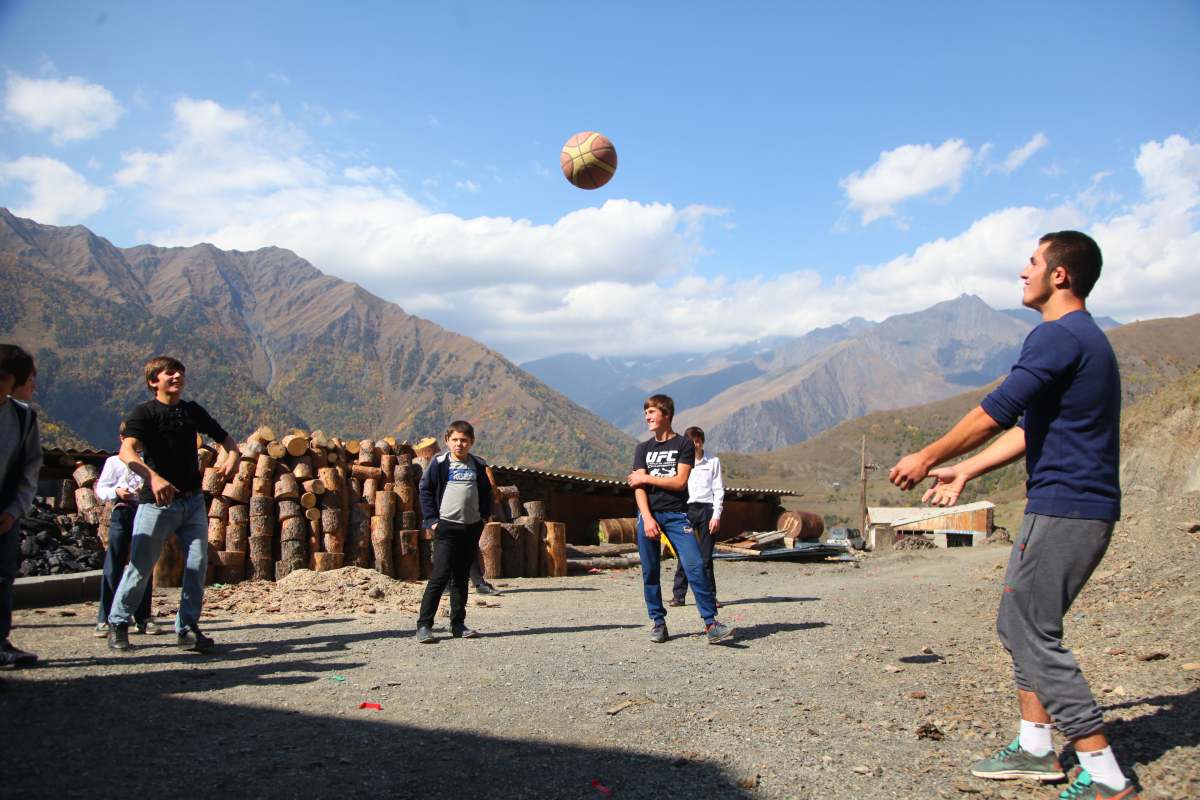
(53, 544)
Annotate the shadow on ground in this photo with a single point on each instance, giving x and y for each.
(153, 734)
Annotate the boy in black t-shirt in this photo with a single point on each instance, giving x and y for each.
(661, 466)
(170, 500)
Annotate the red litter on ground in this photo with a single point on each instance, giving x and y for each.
(737, 617)
(375, 706)
(604, 790)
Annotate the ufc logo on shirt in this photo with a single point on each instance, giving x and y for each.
(662, 463)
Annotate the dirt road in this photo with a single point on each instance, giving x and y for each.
(821, 695)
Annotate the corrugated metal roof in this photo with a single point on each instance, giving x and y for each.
(731, 492)
(907, 516)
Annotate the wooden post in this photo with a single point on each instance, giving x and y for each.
(218, 508)
(262, 507)
(286, 487)
(66, 501)
(86, 475)
(358, 536)
(490, 549)
(237, 534)
(295, 445)
(499, 512)
(216, 533)
(554, 550)
(406, 555)
(381, 543)
(314, 535)
(512, 549)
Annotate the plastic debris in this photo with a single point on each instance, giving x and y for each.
(375, 706)
(603, 790)
(337, 678)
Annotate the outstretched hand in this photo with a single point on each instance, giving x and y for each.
(910, 471)
(947, 486)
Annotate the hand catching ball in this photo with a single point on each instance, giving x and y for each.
(589, 160)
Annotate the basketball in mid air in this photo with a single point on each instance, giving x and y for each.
(589, 160)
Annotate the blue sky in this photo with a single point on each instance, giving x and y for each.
(782, 165)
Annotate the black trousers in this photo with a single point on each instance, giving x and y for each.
(120, 542)
(699, 514)
(454, 550)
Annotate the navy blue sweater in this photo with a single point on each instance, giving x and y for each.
(1069, 389)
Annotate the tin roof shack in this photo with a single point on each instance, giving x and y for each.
(957, 526)
(581, 500)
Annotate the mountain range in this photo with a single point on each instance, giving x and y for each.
(267, 339)
(782, 395)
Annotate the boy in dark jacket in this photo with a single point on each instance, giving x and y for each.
(456, 499)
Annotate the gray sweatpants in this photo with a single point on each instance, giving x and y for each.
(1051, 560)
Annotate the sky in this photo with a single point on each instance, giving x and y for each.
(782, 166)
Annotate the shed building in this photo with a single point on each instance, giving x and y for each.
(581, 500)
(956, 526)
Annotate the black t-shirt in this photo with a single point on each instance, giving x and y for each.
(662, 460)
(168, 436)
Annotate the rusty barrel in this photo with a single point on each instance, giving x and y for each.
(802, 525)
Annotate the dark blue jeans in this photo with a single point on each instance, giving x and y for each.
(679, 532)
(699, 514)
(120, 540)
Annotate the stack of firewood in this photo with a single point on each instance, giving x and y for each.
(313, 501)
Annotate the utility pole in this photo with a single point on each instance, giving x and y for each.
(862, 497)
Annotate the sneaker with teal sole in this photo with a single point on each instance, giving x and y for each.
(1084, 788)
(1013, 762)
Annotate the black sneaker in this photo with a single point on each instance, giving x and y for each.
(463, 632)
(659, 634)
(487, 589)
(425, 635)
(4, 686)
(118, 637)
(15, 657)
(190, 638)
(718, 631)
(675, 602)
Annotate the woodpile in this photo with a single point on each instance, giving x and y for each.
(307, 500)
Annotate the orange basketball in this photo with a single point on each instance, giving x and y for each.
(589, 160)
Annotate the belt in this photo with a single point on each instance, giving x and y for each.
(187, 495)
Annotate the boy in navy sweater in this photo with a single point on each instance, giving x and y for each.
(456, 499)
(1064, 397)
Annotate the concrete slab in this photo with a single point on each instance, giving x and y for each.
(52, 590)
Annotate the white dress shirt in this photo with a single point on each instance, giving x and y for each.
(705, 484)
(116, 475)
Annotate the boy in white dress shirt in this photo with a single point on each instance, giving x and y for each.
(706, 496)
(120, 485)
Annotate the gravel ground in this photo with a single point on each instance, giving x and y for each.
(822, 694)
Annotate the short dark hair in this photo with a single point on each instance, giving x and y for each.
(663, 403)
(155, 366)
(694, 433)
(461, 426)
(16, 363)
(1079, 255)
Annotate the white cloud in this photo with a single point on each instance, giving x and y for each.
(911, 170)
(363, 174)
(279, 77)
(1023, 153)
(71, 110)
(540, 170)
(57, 193)
(467, 186)
(619, 278)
